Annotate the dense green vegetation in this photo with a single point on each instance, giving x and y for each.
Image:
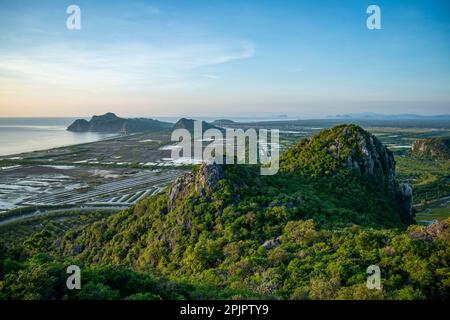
(27, 275)
(56, 223)
(308, 264)
(429, 178)
(432, 211)
(309, 232)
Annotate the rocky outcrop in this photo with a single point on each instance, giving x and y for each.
(368, 156)
(272, 243)
(180, 188)
(434, 148)
(407, 197)
(349, 148)
(436, 230)
(208, 176)
(202, 181)
(340, 150)
(345, 147)
(110, 123)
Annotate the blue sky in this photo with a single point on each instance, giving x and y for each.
(218, 58)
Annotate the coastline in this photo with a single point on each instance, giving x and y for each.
(47, 138)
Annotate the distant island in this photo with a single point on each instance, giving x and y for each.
(380, 116)
(222, 122)
(111, 123)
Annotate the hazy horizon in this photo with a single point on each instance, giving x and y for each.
(260, 116)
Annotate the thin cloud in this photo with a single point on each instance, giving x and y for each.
(152, 10)
(209, 76)
(129, 67)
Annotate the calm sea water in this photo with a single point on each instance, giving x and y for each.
(19, 135)
(29, 134)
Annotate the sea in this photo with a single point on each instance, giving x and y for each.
(19, 135)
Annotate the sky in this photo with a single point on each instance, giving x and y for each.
(217, 58)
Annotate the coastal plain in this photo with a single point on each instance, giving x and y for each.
(117, 172)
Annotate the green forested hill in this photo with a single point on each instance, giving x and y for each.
(309, 232)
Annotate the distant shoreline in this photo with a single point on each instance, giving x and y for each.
(112, 136)
(17, 139)
(39, 134)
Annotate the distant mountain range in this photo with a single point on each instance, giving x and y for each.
(222, 122)
(380, 116)
(110, 123)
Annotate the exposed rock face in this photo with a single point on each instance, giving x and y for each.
(341, 149)
(434, 148)
(203, 181)
(110, 123)
(180, 188)
(436, 230)
(373, 159)
(367, 155)
(208, 176)
(349, 147)
(270, 244)
(407, 195)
